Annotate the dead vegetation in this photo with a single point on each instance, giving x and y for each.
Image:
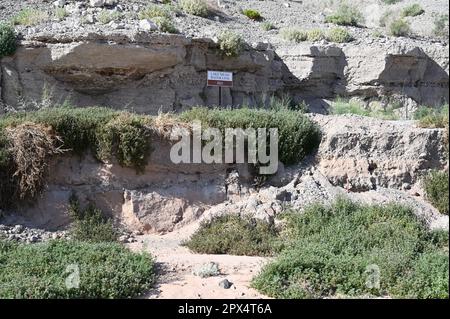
(31, 145)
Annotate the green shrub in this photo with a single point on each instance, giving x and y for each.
(106, 16)
(387, 17)
(165, 24)
(252, 14)
(30, 17)
(441, 28)
(234, 235)
(339, 35)
(412, 10)
(337, 250)
(399, 28)
(60, 13)
(7, 40)
(106, 270)
(432, 117)
(230, 43)
(436, 190)
(90, 224)
(346, 15)
(298, 136)
(267, 26)
(195, 7)
(293, 34)
(125, 138)
(153, 11)
(315, 35)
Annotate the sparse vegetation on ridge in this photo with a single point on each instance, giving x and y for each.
(399, 28)
(432, 117)
(441, 26)
(343, 106)
(30, 17)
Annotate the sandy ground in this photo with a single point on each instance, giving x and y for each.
(175, 265)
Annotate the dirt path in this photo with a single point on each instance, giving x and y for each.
(175, 266)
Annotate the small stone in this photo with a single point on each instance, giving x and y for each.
(406, 186)
(225, 284)
(422, 155)
(287, 5)
(97, 3)
(59, 3)
(18, 229)
(147, 25)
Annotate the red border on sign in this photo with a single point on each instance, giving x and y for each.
(220, 83)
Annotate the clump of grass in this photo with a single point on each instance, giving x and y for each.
(195, 7)
(314, 35)
(343, 106)
(441, 26)
(432, 117)
(387, 17)
(153, 10)
(7, 40)
(298, 136)
(252, 14)
(399, 28)
(165, 24)
(267, 26)
(60, 13)
(350, 249)
(30, 17)
(346, 15)
(293, 34)
(436, 190)
(413, 10)
(230, 43)
(234, 235)
(90, 224)
(339, 35)
(72, 269)
(107, 16)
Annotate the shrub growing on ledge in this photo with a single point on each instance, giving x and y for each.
(195, 7)
(413, 10)
(165, 24)
(230, 43)
(293, 34)
(252, 14)
(153, 10)
(346, 15)
(7, 40)
(30, 17)
(436, 189)
(298, 136)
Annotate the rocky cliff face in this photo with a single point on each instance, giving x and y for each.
(148, 73)
(376, 161)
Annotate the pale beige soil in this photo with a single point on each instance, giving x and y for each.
(175, 265)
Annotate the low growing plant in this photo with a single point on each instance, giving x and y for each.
(235, 235)
(252, 14)
(399, 28)
(44, 270)
(432, 117)
(195, 7)
(346, 15)
(339, 35)
(293, 34)
(441, 26)
(153, 10)
(165, 24)
(30, 17)
(412, 10)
